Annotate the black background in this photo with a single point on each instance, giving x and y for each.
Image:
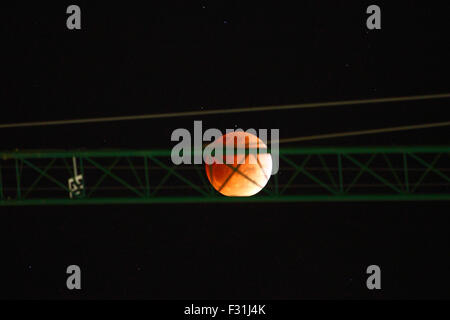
(135, 58)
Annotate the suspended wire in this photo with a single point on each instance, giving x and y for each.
(225, 111)
(364, 132)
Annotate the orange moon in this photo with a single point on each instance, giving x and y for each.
(240, 175)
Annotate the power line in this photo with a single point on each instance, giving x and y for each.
(225, 111)
(365, 132)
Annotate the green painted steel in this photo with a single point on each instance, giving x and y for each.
(326, 174)
(45, 154)
(224, 200)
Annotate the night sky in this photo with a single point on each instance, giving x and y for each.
(149, 57)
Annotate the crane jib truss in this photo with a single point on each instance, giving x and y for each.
(149, 176)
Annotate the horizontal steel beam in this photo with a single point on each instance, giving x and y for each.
(224, 200)
(45, 154)
(31, 178)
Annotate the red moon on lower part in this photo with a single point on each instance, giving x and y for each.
(238, 177)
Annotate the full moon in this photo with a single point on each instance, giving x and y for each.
(240, 175)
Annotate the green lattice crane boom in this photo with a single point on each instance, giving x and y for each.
(148, 176)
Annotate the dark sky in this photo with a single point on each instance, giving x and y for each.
(149, 57)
